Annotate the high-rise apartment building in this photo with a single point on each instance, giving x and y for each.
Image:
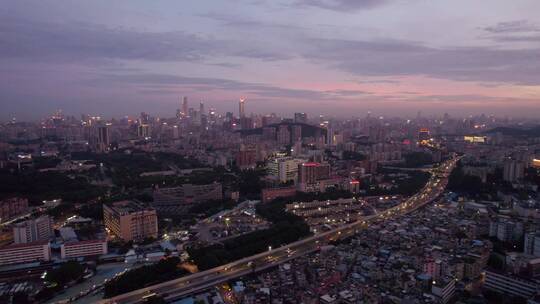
(130, 220)
(246, 158)
(101, 139)
(283, 135)
(532, 243)
(143, 131)
(284, 169)
(296, 133)
(38, 229)
(513, 170)
(505, 230)
(311, 172)
(329, 135)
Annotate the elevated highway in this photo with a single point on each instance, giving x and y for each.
(200, 281)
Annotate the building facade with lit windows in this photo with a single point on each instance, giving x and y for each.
(176, 199)
(284, 169)
(79, 249)
(510, 285)
(130, 221)
(309, 175)
(270, 194)
(25, 253)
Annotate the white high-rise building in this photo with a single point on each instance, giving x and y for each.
(284, 169)
(532, 243)
(39, 229)
(513, 170)
(505, 230)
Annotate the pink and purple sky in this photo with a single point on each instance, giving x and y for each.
(335, 57)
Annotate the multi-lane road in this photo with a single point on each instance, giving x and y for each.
(187, 285)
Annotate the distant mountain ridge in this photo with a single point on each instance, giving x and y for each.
(307, 129)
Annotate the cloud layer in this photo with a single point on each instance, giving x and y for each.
(387, 58)
(342, 5)
(354, 54)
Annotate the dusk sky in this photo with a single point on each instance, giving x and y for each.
(335, 57)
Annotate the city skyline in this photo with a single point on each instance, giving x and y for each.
(334, 57)
(270, 151)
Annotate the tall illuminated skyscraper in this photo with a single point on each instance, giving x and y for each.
(241, 108)
(184, 106)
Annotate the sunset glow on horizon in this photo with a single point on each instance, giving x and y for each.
(338, 57)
